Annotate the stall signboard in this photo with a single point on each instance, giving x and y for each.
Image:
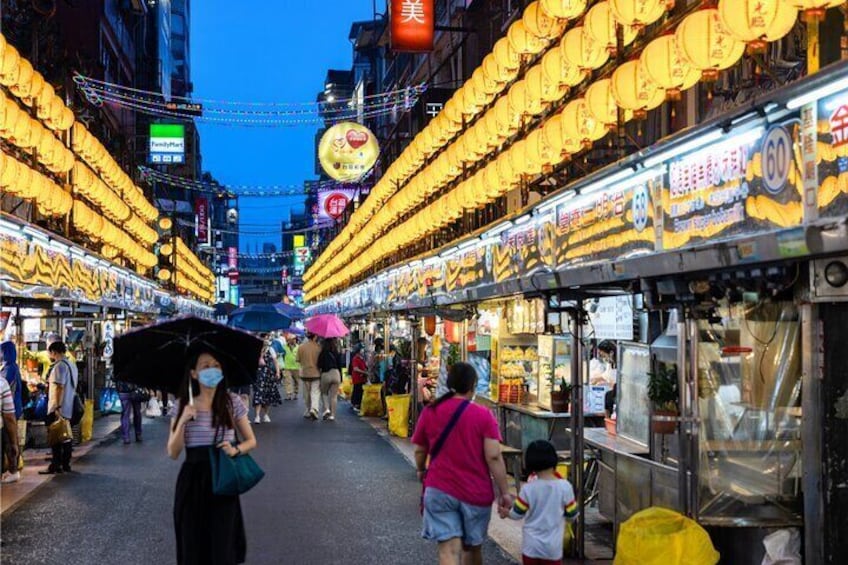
(201, 217)
(30, 269)
(523, 250)
(412, 25)
(347, 151)
(167, 144)
(608, 224)
(831, 153)
(332, 203)
(468, 269)
(745, 183)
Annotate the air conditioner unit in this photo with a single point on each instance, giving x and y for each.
(829, 280)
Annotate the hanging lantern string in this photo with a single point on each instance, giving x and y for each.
(352, 115)
(280, 231)
(86, 81)
(324, 108)
(246, 190)
(220, 253)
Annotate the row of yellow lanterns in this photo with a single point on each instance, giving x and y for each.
(196, 269)
(28, 134)
(20, 180)
(706, 41)
(89, 185)
(580, 51)
(114, 240)
(537, 27)
(18, 75)
(186, 284)
(95, 154)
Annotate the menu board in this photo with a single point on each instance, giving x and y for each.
(617, 222)
(745, 183)
(832, 155)
(611, 317)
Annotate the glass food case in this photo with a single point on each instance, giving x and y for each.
(554, 366)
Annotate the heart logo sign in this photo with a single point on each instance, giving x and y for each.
(356, 139)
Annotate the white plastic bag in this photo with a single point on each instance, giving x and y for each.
(783, 547)
(154, 409)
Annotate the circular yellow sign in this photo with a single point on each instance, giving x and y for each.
(347, 151)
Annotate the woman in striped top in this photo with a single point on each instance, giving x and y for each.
(209, 527)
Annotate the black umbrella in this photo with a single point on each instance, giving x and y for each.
(155, 356)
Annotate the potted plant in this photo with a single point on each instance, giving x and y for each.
(560, 395)
(664, 395)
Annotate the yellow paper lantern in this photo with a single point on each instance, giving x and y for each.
(523, 42)
(756, 22)
(506, 173)
(565, 9)
(541, 24)
(22, 84)
(580, 50)
(637, 13)
(553, 138)
(517, 98)
(814, 8)
(505, 55)
(492, 182)
(600, 103)
(535, 91)
(558, 74)
(577, 118)
(665, 65)
(707, 45)
(600, 25)
(634, 90)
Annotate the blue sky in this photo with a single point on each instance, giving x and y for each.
(266, 51)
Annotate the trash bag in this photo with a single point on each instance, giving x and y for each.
(110, 402)
(398, 407)
(658, 536)
(783, 547)
(371, 404)
(87, 422)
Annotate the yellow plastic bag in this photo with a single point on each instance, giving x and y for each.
(87, 422)
(567, 539)
(347, 386)
(371, 404)
(658, 536)
(398, 407)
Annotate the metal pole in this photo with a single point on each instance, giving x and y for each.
(693, 420)
(413, 385)
(577, 424)
(682, 370)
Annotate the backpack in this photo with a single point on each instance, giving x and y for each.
(79, 407)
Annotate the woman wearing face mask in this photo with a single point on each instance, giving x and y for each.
(209, 527)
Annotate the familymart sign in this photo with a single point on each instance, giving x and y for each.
(167, 143)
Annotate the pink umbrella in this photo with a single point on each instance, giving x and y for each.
(326, 325)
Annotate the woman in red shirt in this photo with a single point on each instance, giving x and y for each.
(359, 376)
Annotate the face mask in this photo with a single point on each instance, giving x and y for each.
(210, 377)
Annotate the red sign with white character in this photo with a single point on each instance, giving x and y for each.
(413, 25)
(332, 203)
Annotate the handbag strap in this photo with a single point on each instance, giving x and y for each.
(440, 442)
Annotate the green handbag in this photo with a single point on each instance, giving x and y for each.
(233, 475)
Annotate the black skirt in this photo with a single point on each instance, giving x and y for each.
(209, 528)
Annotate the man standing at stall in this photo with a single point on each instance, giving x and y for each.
(62, 382)
(307, 358)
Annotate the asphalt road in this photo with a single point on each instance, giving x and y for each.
(334, 492)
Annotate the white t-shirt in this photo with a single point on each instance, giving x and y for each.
(544, 505)
(7, 403)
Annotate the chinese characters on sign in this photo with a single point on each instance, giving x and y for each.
(201, 216)
(332, 203)
(412, 25)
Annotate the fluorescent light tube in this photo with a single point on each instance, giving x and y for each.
(522, 220)
(700, 141)
(548, 206)
(818, 93)
(499, 229)
(35, 234)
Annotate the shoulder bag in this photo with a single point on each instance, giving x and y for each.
(232, 476)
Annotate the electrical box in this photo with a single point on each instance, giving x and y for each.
(829, 280)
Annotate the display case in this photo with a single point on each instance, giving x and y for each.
(518, 365)
(554, 366)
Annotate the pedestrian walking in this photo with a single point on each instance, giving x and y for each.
(545, 503)
(358, 376)
(330, 363)
(10, 371)
(209, 527)
(291, 368)
(62, 382)
(9, 435)
(307, 357)
(266, 389)
(132, 398)
(462, 442)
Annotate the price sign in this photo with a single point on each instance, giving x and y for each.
(777, 159)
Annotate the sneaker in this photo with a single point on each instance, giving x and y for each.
(266, 419)
(313, 413)
(326, 414)
(331, 418)
(9, 478)
(257, 420)
(307, 414)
